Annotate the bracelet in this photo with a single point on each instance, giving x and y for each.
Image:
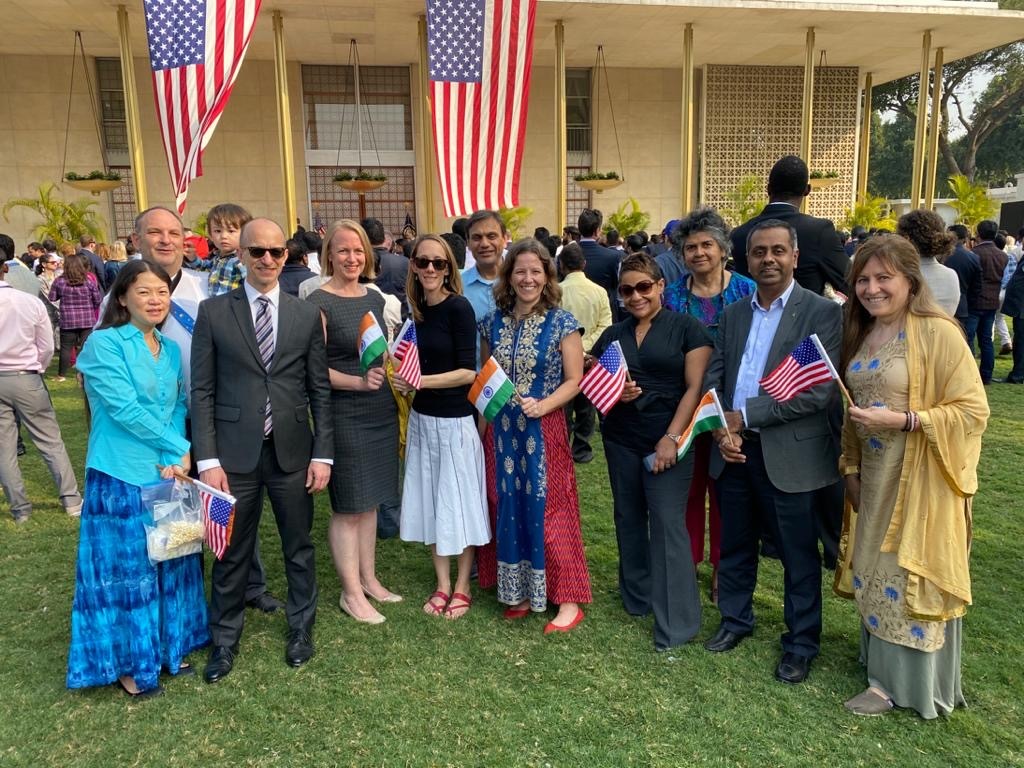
(851, 471)
(673, 438)
(906, 422)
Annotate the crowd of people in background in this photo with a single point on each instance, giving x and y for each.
(236, 357)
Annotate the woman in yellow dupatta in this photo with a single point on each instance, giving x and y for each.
(911, 444)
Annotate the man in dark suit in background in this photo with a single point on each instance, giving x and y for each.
(822, 261)
(773, 455)
(259, 367)
(993, 263)
(822, 258)
(968, 269)
(87, 248)
(602, 264)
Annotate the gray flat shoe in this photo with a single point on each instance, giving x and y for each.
(870, 703)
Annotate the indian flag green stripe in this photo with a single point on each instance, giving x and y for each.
(501, 396)
(372, 343)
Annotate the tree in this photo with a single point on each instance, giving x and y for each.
(744, 201)
(1001, 99)
(970, 201)
(63, 221)
(628, 218)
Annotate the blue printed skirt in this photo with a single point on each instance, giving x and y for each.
(129, 617)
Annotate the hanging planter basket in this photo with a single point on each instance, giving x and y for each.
(822, 182)
(599, 185)
(361, 182)
(95, 182)
(361, 186)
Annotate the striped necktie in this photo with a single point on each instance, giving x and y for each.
(265, 341)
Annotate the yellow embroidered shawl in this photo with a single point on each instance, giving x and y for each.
(930, 530)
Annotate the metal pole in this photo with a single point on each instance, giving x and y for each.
(933, 137)
(561, 158)
(284, 124)
(864, 150)
(807, 111)
(922, 122)
(131, 109)
(426, 152)
(686, 144)
(359, 114)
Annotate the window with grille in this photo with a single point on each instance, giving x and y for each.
(112, 112)
(577, 125)
(329, 106)
(392, 203)
(122, 203)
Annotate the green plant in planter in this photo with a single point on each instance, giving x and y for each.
(596, 176)
(515, 219)
(870, 212)
(744, 201)
(628, 218)
(970, 201)
(63, 221)
(360, 176)
(93, 176)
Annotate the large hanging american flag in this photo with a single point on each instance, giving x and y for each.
(196, 49)
(480, 55)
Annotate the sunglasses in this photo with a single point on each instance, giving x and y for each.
(439, 265)
(644, 287)
(257, 251)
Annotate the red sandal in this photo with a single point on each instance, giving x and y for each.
(434, 609)
(512, 613)
(466, 602)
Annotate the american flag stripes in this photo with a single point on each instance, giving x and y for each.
(407, 351)
(803, 368)
(218, 518)
(480, 53)
(604, 382)
(196, 49)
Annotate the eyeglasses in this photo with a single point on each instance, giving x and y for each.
(439, 265)
(644, 287)
(257, 251)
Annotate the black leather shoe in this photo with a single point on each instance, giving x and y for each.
(792, 669)
(724, 640)
(1009, 380)
(299, 649)
(222, 659)
(266, 603)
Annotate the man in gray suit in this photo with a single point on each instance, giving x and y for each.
(773, 455)
(259, 367)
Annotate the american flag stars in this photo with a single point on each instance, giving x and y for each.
(176, 30)
(456, 40)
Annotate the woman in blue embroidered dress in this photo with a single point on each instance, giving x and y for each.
(540, 555)
(703, 238)
(130, 618)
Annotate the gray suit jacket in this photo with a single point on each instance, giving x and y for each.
(230, 385)
(800, 452)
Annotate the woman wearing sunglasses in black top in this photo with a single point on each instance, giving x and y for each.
(666, 353)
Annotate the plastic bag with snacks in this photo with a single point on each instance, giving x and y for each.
(175, 527)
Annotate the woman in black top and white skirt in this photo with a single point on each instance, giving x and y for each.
(444, 503)
(666, 353)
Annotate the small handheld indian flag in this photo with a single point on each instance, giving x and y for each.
(372, 343)
(491, 389)
(707, 416)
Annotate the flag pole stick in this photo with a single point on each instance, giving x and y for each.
(832, 369)
(179, 475)
(721, 415)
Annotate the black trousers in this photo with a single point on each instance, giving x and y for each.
(748, 500)
(70, 339)
(293, 511)
(656, 571)
(581, 418)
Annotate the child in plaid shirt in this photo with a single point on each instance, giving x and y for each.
(225, 222)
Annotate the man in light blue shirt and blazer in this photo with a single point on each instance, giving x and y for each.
(773, 455)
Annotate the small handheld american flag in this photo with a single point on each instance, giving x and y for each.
(604, 382)
(407, 351)
(803, 368)
(218, 517)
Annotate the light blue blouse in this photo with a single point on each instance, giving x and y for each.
(137, 402)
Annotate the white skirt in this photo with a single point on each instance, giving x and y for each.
(444, 501)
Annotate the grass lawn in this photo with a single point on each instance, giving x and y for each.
(482, 691)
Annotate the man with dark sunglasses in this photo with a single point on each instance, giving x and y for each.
(773, 455)
(259, 371)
